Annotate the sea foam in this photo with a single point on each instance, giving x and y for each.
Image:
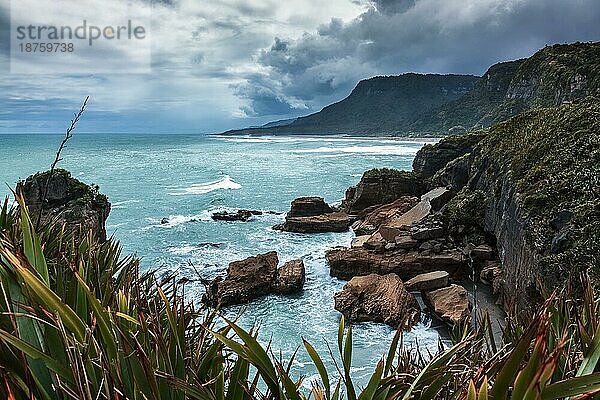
(202, 188)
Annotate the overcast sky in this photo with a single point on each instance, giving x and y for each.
(233, 63)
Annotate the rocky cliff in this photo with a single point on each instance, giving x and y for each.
(539, 173)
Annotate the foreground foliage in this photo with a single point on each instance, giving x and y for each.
(80, 321)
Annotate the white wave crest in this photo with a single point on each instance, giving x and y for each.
(382, 150)
(202, 188)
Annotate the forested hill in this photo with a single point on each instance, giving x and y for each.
(419, 105)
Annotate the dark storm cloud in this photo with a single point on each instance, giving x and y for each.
(395, 36)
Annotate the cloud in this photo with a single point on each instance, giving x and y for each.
(233, 63)
(396, 36)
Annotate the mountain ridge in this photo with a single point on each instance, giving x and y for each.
(434, 105)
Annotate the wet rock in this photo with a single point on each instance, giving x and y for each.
(347, 263)
(562, 219)
(309, 207)
(381, 186)
(455, 174)
(254, 277)
(450, 304)
(290, 277)
(164, 221)
(380, 215)
(429, 281)
(331, 222)
(561, 241)
(379, 299)
(239, 215)
(246, 280)
(81, 208)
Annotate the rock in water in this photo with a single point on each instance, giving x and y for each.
(309, 207)
(81, 208)
(239, 215)
(381, 186)
(379, 299)
(313, 215)
(290, 277)
(255, 277)
(246, 280)
(451, 304)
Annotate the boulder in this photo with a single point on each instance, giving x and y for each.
(381, 214)
(290, 277)
(254, 277)
(429, 281)
(450, 304)
(330, 222)
(427, 232)
(347, 263)
(378, 298)
(246, 280)
(406, 242)
(239, 215)
(309, 207)
(81, 208)
(381, 186)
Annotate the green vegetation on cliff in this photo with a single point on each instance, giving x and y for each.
(553, 157)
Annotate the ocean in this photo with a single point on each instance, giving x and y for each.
(185, 178)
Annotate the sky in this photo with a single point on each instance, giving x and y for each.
(227, 64)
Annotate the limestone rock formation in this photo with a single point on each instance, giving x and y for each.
(381, 186)
(347, 263)
(290, 277)
(254, 277)
(81, 208)
(313, 215)
(379, 299)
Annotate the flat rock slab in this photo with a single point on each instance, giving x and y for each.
(378, 298)
(414, 215)
(330, 222)
(429, 281)
(451, 304)
(345, 263)
(359, 241)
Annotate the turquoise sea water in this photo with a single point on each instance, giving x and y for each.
(187, 177)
